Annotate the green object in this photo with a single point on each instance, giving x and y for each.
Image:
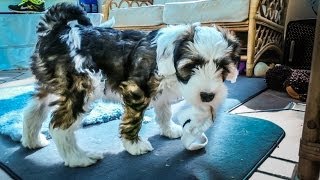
(28, 6)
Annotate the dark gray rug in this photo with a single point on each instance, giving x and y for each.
(237, 145)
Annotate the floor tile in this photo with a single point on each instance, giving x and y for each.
(277, 167)
(261, 176)
(4, 176)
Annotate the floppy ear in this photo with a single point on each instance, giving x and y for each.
(230, 72)
(169, 43)
(231, 38)
(233, 73)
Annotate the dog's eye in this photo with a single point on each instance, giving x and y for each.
(184, 73)
(186, 67)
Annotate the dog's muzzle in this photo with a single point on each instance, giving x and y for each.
(206, 97)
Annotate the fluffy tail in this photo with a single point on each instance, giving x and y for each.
(59, 15)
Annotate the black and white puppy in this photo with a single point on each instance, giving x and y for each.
(76, 64)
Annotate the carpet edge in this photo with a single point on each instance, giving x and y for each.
(266, 156)
(9, 172)
(246, 100)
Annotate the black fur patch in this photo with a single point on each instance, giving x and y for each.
(120, 55)
(182, 52)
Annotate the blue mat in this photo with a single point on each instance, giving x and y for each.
(237, 145)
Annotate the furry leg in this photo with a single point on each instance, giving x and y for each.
(129, 129)
(167, 127)
(68, 149)
(34, 115)
(66, 119)
(135, 105)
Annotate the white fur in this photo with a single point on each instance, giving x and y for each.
(98, 83)
(167, 127)
(205, 79)
(162, 105)
(142, 146)
(73, 39)
(210, 43)
(69, 150)
(78, 62)
(233, 74)
(108, 24)
(100, 90)
(165, 47)
(34, 115)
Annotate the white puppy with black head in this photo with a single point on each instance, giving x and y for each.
(196, 60)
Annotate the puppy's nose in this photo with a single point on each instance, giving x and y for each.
(206, 97)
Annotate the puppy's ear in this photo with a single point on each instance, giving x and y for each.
(233, 42)
(232, 73)
(170, 42)
(229, 63)
(228, 69)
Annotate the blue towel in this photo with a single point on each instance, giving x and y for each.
(14, 99)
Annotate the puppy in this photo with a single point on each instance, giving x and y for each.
(76, 64)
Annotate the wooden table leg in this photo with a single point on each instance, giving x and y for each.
(309, 152)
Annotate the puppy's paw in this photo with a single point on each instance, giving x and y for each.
(137, 148)
(173, 131)
(82, 159)
(34, 143)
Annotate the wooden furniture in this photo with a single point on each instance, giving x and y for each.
(309, 152)
(262, 32)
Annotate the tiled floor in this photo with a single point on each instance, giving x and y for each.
(271, 105)
(287, 113)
